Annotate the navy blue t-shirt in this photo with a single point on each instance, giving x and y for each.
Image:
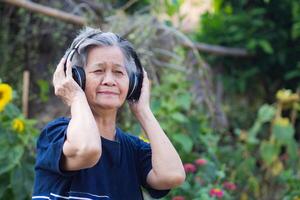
(119, 174)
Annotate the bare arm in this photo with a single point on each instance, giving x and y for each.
(167, 169)
(82, 148)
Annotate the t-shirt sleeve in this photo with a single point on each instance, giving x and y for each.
(50, 146)
(145, 166)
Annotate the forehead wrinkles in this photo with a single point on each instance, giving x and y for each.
(105, 55)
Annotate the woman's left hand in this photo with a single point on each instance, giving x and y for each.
(143, 104)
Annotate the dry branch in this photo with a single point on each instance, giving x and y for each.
(220, 50)
(48, 11)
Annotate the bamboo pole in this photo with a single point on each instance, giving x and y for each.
(51, 12)
(25, 95)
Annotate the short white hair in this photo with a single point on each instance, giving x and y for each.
(92, 37)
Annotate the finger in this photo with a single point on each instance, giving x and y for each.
(59, 71)
(69, 69)
(144, 72)
(146, 79)
(60, 65)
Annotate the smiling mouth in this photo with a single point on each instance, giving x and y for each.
(107, 93)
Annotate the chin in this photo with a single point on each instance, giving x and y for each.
(109, 104)
(108, 107)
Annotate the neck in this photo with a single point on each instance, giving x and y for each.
(106, 122)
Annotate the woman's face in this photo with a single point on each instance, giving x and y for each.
(107, 81)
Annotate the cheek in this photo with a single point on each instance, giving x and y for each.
(90, 86)
(125, 86)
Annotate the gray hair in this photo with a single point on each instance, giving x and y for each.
(91, 37)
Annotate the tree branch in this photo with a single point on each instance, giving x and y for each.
(34, 7)
(220, 50)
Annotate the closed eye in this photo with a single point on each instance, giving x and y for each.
(119, 72)
(98, 71)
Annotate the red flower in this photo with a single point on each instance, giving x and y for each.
(229, 186)
(200, 162)
(178, 198)
(216, 192)
(189, 168)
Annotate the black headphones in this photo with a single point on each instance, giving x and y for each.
(135, 80)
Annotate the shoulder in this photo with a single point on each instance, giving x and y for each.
(58, 122)
(53, 130)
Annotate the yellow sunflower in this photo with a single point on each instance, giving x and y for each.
(5, 95)
(18, 125)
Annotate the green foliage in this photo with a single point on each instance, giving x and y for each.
(44, 90)
(262, 161)
(176, 113)
(191, 134)
(265, 114)
(266, 153)
(201, 179)
(17, 153)
(31, 42)
(271, 38)
(172, 6)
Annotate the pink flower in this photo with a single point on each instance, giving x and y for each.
(178, 198)
(216, 192)
(189, 168)
(229, 186)
(200, 162)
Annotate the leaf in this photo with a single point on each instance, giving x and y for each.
(12, 111)
(254, 185)
(186, 186)
(184, 141)
(179, 117)
(276, 168)
(4, 183)
(253, 132)
(220, 174)
(44, 90)
(155, 105)
(292, 74)
(210, 173)
(283, 134)
(184, 100)
(22, 177)
(292, 149)
(269, 152)
(12, 159)
(266, 113)
(18, 178)
(266, 46)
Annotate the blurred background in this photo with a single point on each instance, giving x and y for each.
(225, 87)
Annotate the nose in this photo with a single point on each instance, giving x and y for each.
(108, 79)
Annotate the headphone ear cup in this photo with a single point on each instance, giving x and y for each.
(136, 85)
(79, 76)
(136, 80)
(138, 89)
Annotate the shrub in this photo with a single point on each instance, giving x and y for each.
(17, 153)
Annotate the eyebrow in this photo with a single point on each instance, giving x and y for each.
(102, 64)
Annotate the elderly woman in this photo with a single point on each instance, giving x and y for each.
(87, 156)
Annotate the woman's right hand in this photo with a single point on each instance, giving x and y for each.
(65, 86)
